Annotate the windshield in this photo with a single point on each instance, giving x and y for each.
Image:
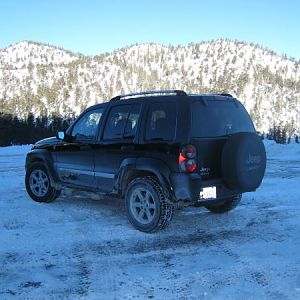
(219, 117)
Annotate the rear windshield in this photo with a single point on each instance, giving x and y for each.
(218, 118)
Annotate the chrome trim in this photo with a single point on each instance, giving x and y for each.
(105, 175)
(85, 172)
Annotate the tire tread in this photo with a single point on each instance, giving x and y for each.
(166, 208)
(226, 205)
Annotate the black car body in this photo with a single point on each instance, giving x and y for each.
(187, 149)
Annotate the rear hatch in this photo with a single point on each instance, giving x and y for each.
(214, 119)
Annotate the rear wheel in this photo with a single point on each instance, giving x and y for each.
(38, 184)
(146, 205)
(225, 205)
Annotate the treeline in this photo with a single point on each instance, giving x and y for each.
(281, 135)
(15, 131)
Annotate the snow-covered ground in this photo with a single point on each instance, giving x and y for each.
(78, 248)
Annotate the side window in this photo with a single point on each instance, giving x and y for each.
(86, 126)
(122, 122)
(161, 121)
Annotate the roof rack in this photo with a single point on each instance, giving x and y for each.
(225, 94)
(147, 93)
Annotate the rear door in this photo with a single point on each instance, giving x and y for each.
(214, 119)
(117, 143)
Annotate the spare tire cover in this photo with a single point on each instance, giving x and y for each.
(243, 161)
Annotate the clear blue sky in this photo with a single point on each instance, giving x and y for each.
(93, 27)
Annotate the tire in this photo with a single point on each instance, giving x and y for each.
(243, 162)
(38, 184)
(225, 205)
(146, 205)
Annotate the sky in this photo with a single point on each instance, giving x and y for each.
(93, 27)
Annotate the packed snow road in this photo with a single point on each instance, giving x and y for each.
(78, 248)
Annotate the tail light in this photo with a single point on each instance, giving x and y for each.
(187, 159)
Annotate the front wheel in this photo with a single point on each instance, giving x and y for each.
(38, 184)
(225, 205)
(146, 204)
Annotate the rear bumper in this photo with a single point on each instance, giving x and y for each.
(187, 187)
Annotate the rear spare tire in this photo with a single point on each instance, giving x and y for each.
(243, 162)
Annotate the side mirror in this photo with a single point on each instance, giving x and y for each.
(61, 135)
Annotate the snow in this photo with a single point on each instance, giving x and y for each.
(26, 52)
(78, 248)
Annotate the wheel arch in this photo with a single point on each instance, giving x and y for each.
(43, 156)
(142, 167)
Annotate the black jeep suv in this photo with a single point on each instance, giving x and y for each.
(157, 150)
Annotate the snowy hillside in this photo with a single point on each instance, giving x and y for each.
(25, 53)
(78, 248)
(43, 79)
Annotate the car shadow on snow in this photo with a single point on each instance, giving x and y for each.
(190, 226)
(196, 221)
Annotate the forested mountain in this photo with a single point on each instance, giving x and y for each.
(45, 80)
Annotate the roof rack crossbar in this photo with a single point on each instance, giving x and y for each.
(146, 93)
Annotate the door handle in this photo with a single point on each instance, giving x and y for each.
(85, 147)
(126, 148)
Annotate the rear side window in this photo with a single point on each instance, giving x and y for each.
(161, 122)
(122, 122)
(219, 118)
